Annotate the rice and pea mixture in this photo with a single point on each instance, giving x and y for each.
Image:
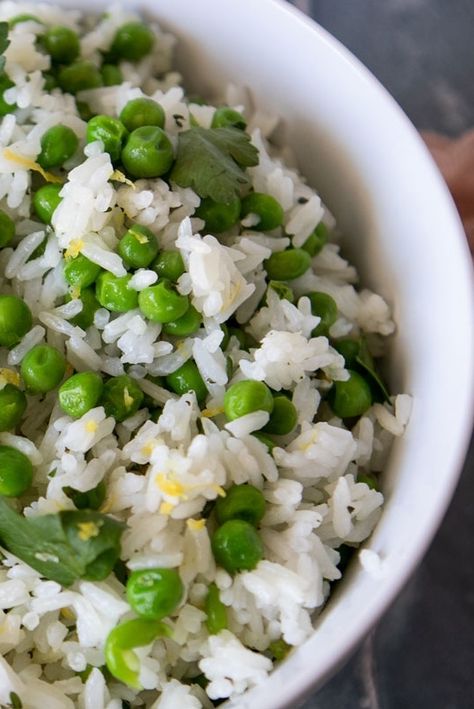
(191, 418)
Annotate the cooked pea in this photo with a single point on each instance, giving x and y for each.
(315, 241)
(111, 75)
(282, 290)
(15, 320)
(279, 649)
(154, 593)
(42, 369)
(12, 407)
(90, 304)
(349, 349)
(7, 229)
(350, 398)
(121, 660)
(132, 41)
(265, 440)
(324, 307)
(81, 272)
(245, 397)
(162, 303)
(84, 110)
(45, 202)
(287, 265)
(148, 152)
(114, 293)
(5, 107)
(215, 610)
(169, 265)
(218, 217)
(138, 246)
(187, 378)
(226, 116)
(80, 393)
(369, 479)
(58, 144)
(186, 325)
(237, 546)
(62, 44)
(266, 207)
(283, 418)
(90, 500)
(80, 76)
(142, 112)
(241, 502)
(121, 397)
(110, 131)
(16, 472)
(50, 82)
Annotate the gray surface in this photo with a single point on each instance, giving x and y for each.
(421, 656)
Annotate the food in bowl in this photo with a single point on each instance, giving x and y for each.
(192, 417)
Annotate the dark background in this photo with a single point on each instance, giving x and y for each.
(421, 656)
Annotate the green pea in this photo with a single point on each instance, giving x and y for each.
(50, 82)
(369, 479)
(80, 272)
(80, 393)
(187, 378)
(215, 610)
(132, 42)
(114, 293)
(42, 369)
(324, 307)
(45, 202)
(111, 75)
(287, 265)
(16, 472)
(246, 397)
(90, 500)
(84, 110)
(15, 320)
(186, 325)
(5, 108)
(315, 241)
(265, 440)
(58, 144)
(12, 407)
(62, 44)
(90, 305)
(148, 152)
(138, 246)
(110, 131)
(121, 661)
(241, 502)
(142, 112)
(80, 76)
(121, 397)
(226, 116)
(169, 265)
(154, 593)
(7, 229)
(349, 349)
(240, 336)
(218, 217)
(350, 398)
(237, 546)
(282, 290)
(266, 207)
(162, 303)
(279, 649)
(283, 418)
(18, 19)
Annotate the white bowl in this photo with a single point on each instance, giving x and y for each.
(360, 151)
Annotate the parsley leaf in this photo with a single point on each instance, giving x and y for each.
(4, 42)
(64, 547)
(210, 160)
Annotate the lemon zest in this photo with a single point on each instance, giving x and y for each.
(67, 613)
(196, 524)
(87, 530)
(9, 376)
(91, 426)
(74, 248)
(166, 508)
(127, 399)
(217, 488)
(169, 487)
(29, 164)
(210, 413)
(148, 448)
(75, 292)
(118, 176)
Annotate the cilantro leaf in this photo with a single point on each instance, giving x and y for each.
(4, 42)
(211, 161)
(65, 546)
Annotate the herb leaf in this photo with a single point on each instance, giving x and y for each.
(65, 546)
(4, 42)
(210, 160)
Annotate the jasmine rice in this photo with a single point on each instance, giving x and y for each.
(165, 541)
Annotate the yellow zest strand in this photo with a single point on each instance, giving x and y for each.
(87, 530)
(29, 164)
(127, 399)
(74, 248)
(118, 176)
(210, 413)
(196, 524)
(91, 426)
(166, 508)
(9, 376)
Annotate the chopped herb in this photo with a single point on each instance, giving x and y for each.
(63, 547)
(211, 161)
(4, 42)
(15, 700)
